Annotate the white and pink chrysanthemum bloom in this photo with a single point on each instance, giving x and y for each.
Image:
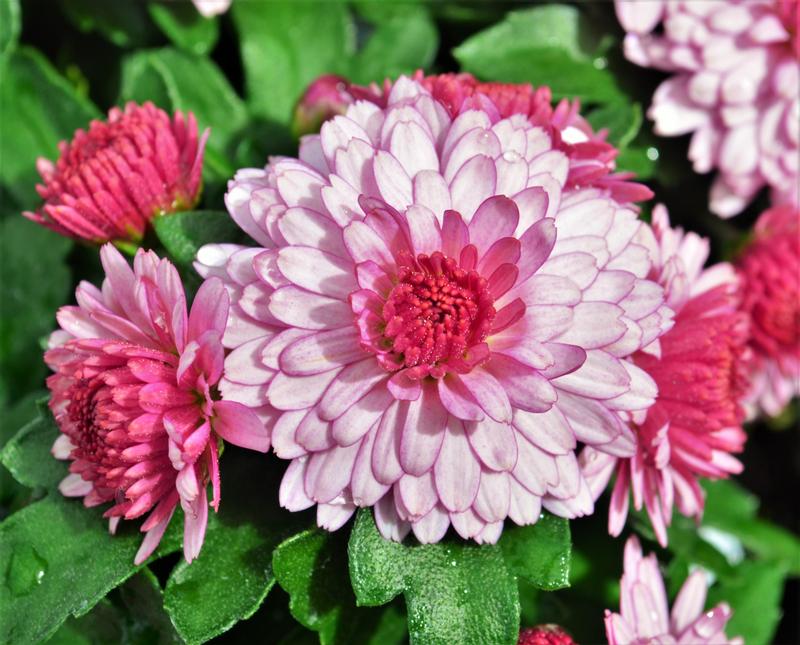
(770, 271)
(133, 397)
(736, 88)
(700, 367)
(113, 178)
(430, 323)
(644, 615)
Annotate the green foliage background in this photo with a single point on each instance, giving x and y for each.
(264, 574)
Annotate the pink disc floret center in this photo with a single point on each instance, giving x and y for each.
(436, 312)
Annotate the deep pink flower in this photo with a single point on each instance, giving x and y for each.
(700, 366)
(133, 397)
(770, 271)
(544, 635)
(110, 181)
(644, 615)
(591, 157)
(431, 322)
(326, 97)
(736, 87)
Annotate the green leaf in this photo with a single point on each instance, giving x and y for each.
(541, 553)
(35, 283)
(754, 593)
(401, 44)
(182, 234)
(306, 568)
(732, 509)
(455, 592)
(39, 108)
(122, 22)
(131, 614)
(622, 120)
(103, 624)
(285, 45)
(12, 493)
(10, 19)
(143, 602)
(312, 568)
(185, 26)
(190, 83)
(27, 456)
(638, 160)
(58, 559)
(529, 44)
(233, 574)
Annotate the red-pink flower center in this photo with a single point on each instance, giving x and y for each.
(772, 294)
(82, 411)
(436, 311)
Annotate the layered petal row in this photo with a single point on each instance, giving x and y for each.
(701, 369)
(112, 179)
(132, 394)
(735, 87)
(432, 320)
(769, 268)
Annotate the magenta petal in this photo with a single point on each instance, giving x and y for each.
(690, 601)
(526, 388)
(457, 471)
(488, 393)
(496, 218)
(432, 527)
(292, 494)
(494, 443)
(389, 523)
(600, 377)
(332, 517)
(361, 417)
(524, 507)
(494, 496)
(238, 425)
(423, 431)
(209, 309)
(329, 472)
(457, 399)
(417, 494)
(351, 384)
(194, 526)
(152, 539)
(386, 452)
(365, 489)
(536, 245)
(322, 351)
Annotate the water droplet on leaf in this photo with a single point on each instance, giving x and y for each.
(26, 570)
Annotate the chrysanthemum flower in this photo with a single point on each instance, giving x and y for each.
(430, 322)
(700, 366)
(591, 157)
(111, 180)
(770, 270)
(133, 396)
(544, 635)
(736, 87)
(644, 615)
(326, 97)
